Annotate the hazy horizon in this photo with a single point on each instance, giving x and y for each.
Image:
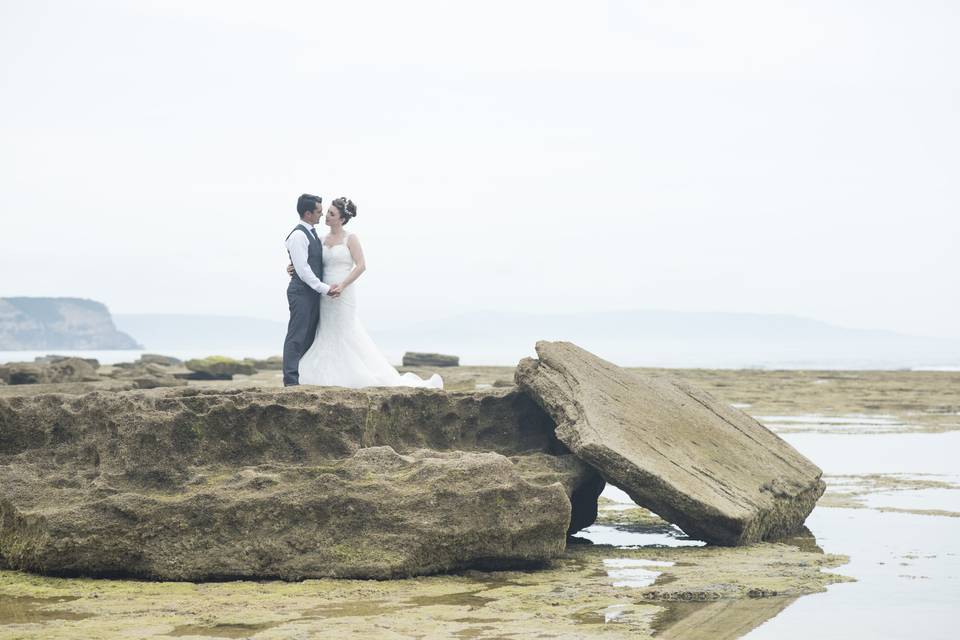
(630, 338)
(756, 157)
(379, 323)
(635, 338)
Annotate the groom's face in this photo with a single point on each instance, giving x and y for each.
(313, 217)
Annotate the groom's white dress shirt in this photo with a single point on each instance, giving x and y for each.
(298, 246)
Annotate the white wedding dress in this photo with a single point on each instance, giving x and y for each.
(342, 354)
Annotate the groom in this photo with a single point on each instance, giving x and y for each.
(305, 288)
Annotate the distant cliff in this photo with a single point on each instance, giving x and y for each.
(58, 323)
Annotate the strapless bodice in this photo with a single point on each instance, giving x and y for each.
(337, 259)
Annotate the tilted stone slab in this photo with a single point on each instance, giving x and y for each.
(710, 469)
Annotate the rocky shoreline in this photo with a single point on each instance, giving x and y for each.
(206, 484)
(705, 592)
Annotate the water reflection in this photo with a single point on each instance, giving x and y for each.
(634, 536)
(220, 630)
(18, 610)
(693, 615)
(719, 620)
(634, 572)
(907, 569)
(468, 599)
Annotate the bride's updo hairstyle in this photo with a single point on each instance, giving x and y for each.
(346, 208)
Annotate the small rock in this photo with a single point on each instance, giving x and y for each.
(147, 376)
(153, 358)
(273, 363)
(54, 371)
(73, 370)
(413, 359)
(50, 359)
(23, 373)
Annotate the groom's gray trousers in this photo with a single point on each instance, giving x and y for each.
(301, 330)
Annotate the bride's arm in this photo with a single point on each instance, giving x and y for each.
(359, 264)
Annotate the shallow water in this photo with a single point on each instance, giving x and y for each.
(630, 537)
(907, 565)
(833, 424)
(857, 454)
(218, 631)
(908, 579)
(17, 610)
(917, 499)
(634, 572)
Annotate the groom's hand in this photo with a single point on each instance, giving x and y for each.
(335, 291)
(290, 269)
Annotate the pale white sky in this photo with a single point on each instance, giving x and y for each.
(791, 157)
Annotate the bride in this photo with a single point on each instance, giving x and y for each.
(342, 354)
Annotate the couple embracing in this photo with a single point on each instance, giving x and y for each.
(325, 343)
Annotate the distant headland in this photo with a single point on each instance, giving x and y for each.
(59, 323)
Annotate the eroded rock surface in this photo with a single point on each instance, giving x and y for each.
(195, 484)
(375, 514)
(703, 465)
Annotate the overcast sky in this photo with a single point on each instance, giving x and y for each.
(792, 157)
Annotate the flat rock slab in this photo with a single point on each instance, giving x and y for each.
(710, 469)
(188, 484)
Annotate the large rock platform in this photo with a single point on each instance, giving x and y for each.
(192, 484)
(710, 469)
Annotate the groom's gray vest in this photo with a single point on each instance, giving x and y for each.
(314, 259)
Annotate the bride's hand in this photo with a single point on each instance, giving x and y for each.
(290, 269)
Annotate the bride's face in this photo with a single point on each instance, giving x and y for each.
(333, 216)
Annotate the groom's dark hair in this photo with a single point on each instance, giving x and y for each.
(307, 203)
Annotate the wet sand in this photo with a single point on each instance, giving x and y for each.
(887, 441)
